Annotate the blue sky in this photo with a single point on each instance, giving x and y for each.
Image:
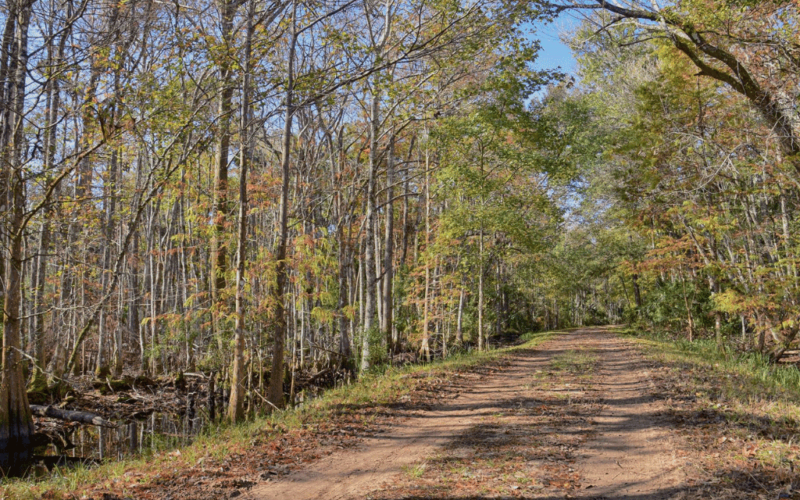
(554, 53)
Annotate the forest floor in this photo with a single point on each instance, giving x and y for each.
(586, 414)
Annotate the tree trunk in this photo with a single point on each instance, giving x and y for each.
(276, 375)
(406, 229)
(16, 422)
(637, 293)
(426, 349)
(717, 314)
(460, 316)
(388, 257)
(236, 404)
(219, 249)
(480, 290)
(371, 289)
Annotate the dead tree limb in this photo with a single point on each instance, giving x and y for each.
(72, 416)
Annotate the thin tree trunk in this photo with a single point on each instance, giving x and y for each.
(460, 315)
(426, 349)
(276, 376)
(236, 404)
(370, 277)
(480, 289)
(388, 257)
(406, 191)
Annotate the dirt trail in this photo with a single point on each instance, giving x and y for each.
(613, 441)
(633, 455)
(355, 472)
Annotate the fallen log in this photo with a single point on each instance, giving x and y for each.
(318, 375)
(71, 416)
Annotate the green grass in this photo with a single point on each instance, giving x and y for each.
(380, 387)
(576, 362)
(414, 471)
(749, 375)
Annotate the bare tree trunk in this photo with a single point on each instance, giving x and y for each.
(371, 290)
(388, 257)
(236, 404)
(480, 290)
(134, 302)
(460, 316)
(8, 57)
(16, 423)
(406, 191)
(425, 348)
(276, 376)
(153, 279)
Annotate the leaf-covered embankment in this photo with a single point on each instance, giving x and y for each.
(227, 460)
(738, 417)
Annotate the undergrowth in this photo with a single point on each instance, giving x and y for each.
(382, 386)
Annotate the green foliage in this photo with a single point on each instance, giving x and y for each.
(664, 305)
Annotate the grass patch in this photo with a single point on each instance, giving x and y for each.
(576, 362)
(375, 389)
(414, 471)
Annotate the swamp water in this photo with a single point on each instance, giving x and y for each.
(89, 445)
(157, 432)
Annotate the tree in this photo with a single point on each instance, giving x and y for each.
(731, 42)
(16, 422)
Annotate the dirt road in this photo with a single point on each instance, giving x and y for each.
(572, 418)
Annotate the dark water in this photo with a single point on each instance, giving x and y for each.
(158, 431)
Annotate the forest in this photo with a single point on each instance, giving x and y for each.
(261, 192)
